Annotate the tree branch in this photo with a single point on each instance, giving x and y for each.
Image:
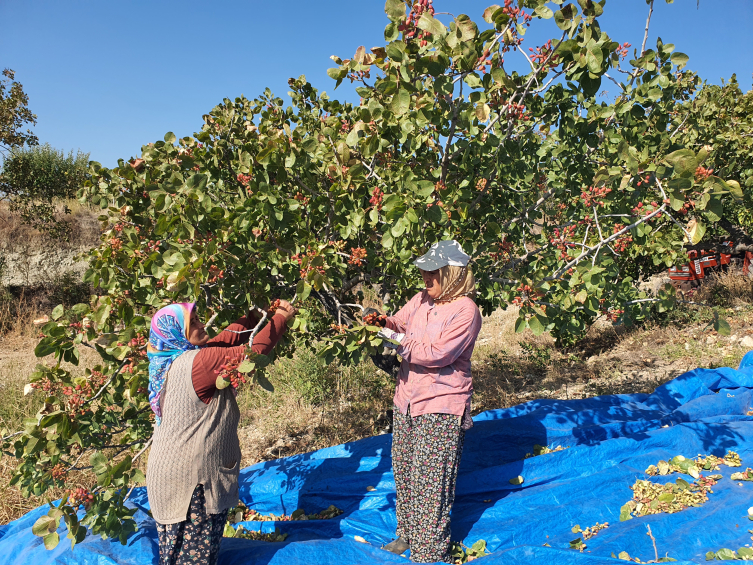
(648, 21)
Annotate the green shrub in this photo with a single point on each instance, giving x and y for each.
(32, 179)
(68, 289)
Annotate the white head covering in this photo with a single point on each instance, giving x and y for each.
(441, 254)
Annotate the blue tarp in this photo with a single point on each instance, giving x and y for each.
(611, 440)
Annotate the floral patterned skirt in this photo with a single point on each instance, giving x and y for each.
(195, 540)
(426, 453)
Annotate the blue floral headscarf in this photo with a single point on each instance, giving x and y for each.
(168, 339)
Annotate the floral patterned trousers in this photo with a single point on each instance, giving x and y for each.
(426, 453)
(195, 540)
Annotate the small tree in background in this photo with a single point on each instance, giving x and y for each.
(720, 118)
(14, 114)
(33, 179)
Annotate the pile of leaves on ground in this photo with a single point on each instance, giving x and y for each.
(543, 450)
(242, 513)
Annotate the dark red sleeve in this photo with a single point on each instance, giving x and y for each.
(209, 360)
(228, 337)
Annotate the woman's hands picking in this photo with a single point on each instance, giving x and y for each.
(287, 310)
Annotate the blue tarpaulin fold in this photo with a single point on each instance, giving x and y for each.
(610, 442)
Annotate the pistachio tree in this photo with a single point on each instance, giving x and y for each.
(561, 196)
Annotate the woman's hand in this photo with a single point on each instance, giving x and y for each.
(287, 310)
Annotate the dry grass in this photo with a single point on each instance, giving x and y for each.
(726, 288)
(15, 236)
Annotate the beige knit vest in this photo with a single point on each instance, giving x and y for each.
(195, 443)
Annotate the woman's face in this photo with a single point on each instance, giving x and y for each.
(431, 282)
(196, 333)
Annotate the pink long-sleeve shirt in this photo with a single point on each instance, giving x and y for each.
(435, 375)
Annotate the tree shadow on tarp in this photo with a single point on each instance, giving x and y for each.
(497, 445)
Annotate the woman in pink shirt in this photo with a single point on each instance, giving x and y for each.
(434, 334)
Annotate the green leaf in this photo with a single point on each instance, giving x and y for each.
(544, 12)
(57, 312)
(489, 12)
(725, 554)
(47, 346)
(264, 382)
(303, 290)
(170, 137)
(51, 540)
(564, 17)
(395, 10)
(679, 59)
(722, 326)
(683, 161)
(696, 231)
(735, 189)
(594, 59)
(429, 23)
(44, 526)
(537, 325)
(99, 462)
(336, 73)
(520, 324)
(400, 102)
(137, 477)
(221, 383)
(626, 513)
(246, 367)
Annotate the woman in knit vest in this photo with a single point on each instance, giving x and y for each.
(434, 334)
(192, 472)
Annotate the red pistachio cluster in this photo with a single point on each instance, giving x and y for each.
(622, 242)
(376, 198)
(79, 496)
(644, 180)
(80, 327)
(622, 50)
(516, 13)
(515, 111)
(410, 29)
(357, 256)
(591, 196)
(76, 395)
(484, 61)
(539, 55)
(561, 239)
(229, 372)
(642, 210)
(504, 250)
(59, 472)
(526, 292)
(215, 274)
(611, 314)
(371, 319)
(309, 268)
(273, 306)
(702, 173)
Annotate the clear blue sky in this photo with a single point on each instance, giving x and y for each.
(107, 77)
